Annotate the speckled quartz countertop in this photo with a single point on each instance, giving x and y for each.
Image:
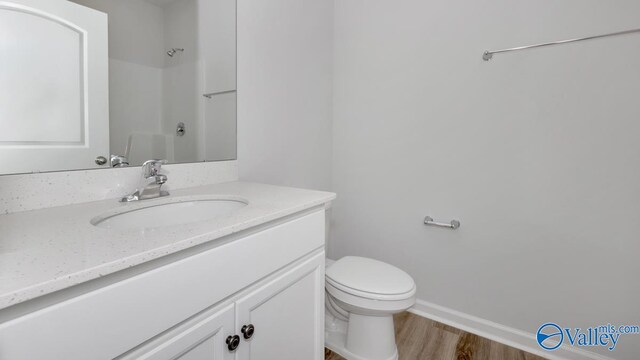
(47, 250)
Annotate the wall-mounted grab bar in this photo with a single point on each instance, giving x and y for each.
(489, 53)
(210, 95)
(454, 224)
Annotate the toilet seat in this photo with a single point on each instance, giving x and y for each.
(369, 279)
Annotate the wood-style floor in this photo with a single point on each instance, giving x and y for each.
(423, 339)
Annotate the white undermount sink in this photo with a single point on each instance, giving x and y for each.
(171, 212)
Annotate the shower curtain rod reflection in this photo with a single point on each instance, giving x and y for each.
(488, 55)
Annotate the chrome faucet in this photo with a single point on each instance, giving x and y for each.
(150, 186)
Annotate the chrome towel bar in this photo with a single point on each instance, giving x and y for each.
(489, 53)
(453, 225)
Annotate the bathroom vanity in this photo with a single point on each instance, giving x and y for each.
(226, 271)
(247, 283)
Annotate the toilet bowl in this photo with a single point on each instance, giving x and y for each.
(361, 297)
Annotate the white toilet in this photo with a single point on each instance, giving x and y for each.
(361, 297)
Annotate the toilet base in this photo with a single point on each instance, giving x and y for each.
(362, 337)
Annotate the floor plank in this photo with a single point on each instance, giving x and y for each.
(419, 338)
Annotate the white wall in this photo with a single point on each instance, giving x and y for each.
(535, 152)
(284, 91)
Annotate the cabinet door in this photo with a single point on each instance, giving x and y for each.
(54, 98)
(201, 339)
(287, 314)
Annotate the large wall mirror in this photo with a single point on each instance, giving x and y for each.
(159, 82)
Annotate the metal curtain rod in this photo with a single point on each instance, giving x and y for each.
(211, 95)
(489, 53)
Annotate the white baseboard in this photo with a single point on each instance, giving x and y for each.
(499, 333)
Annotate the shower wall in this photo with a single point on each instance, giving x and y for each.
(181, 74)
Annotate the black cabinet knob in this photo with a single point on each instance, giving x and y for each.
(248, 331)
(233, 342)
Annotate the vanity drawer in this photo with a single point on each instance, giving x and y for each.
(105, 323)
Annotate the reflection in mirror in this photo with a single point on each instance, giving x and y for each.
(171, 79)
(164, 56)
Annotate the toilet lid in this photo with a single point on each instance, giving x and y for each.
(370, 276)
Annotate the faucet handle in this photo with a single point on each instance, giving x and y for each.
(152, 167)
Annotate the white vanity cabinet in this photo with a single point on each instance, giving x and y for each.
(200, 339)
(281, 318)
(270, 279)
(287, 314)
